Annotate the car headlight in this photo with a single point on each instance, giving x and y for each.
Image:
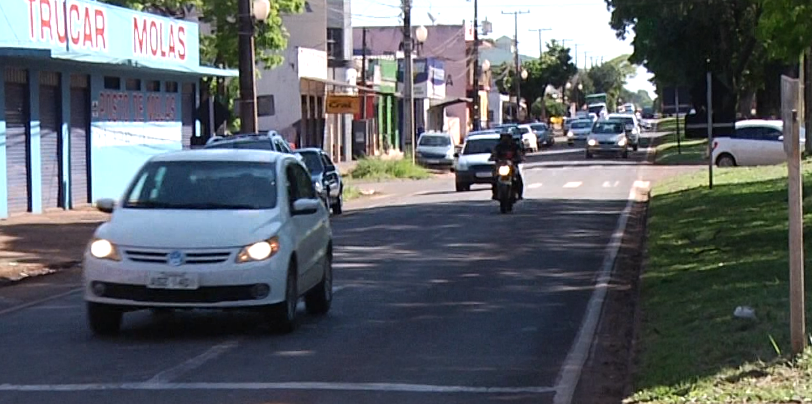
(621, 142)
(462, 166)
(259, 251)
(592, 142)
(318, 187)
(103, 249)
(504, 171)
(570, 134)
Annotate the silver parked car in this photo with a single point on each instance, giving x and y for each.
(435, 149)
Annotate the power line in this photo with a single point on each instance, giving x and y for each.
(517, 78)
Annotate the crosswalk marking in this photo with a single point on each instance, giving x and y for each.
(573, 184)
(534, 186)
(642, 184)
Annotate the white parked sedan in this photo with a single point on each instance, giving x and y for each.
(212, 229)
(754, 142)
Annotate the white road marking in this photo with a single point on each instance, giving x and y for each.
(607, 184)
(40, 301)
(642, 184)
(573, 184)
(212, 353)
(534, 186)
(376, 387)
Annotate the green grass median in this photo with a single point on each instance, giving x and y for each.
(379, 169)
(692, 151)
(710, 251)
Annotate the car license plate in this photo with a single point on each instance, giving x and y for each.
(172, 280)
(484, 174)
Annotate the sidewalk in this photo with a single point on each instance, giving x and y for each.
(33, 245)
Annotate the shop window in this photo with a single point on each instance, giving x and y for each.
(132, 85)
(112, 83)
(171, 86)
(335, 43)
(153, 86)
(266, 105)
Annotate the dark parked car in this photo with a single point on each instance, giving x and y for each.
(544, 134)
(325, 176)
(267, 141)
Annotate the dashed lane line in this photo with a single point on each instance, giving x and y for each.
(573, 184)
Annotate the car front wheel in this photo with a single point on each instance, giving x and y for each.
(319, 299)
(284, 313)
(338, 206)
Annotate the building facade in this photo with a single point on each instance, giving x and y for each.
(291, 97)
(89, 93)
(446, 43)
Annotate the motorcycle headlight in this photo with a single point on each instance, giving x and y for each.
(504, 171)
(103, 249)
(621, 142)
(259, 251)
(592, 142)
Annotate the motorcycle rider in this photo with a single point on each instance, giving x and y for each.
(508, 149)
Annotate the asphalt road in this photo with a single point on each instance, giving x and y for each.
(439, 299)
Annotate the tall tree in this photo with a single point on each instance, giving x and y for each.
(554, 68)
(676, 39)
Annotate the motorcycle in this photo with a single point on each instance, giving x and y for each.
(505, 190)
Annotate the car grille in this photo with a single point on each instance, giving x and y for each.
(209, 294)
(191, 257)
(607, 143)
(432, 155)
(481, 167)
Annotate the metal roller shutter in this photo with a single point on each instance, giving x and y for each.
(17, 124)
(188, 114)
(50, 123)
(79, 140)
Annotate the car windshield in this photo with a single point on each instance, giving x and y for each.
(313, 162)
(626, 119)
(431, 140)
(242, 144)
(480, 146)
(203, 185)
(523, 130)
(539, 127)
(581, 125)
(608, 128)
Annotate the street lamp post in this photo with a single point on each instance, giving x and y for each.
(580, 93)
(476, 112)
(247, 14)
(421, 34)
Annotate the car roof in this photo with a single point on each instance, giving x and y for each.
(481, 136)
(244, 137)
(235, 155)
(441, 134)
(749, 123)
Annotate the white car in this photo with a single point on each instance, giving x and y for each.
(755, 142)
(211, 229)
(529, 137)
(632, 126)
(473, 163)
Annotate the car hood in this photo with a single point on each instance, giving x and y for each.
(482, 158)
(583, 131)
(606, 136)
(171, 228)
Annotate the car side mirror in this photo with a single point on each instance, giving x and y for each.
(106, 205)
(305, 207)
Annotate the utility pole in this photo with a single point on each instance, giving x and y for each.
(806, 103)
(248, 104)
(709, 109)
(477, 72)
(676, 105)
(791, 95)
(364, 71)
(541, 44)
(408, 79)
(518, 77)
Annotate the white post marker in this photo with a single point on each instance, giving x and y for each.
(790, 94)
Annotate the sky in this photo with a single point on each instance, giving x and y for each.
(584, 23)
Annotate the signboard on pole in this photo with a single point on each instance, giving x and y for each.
(343, 104)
